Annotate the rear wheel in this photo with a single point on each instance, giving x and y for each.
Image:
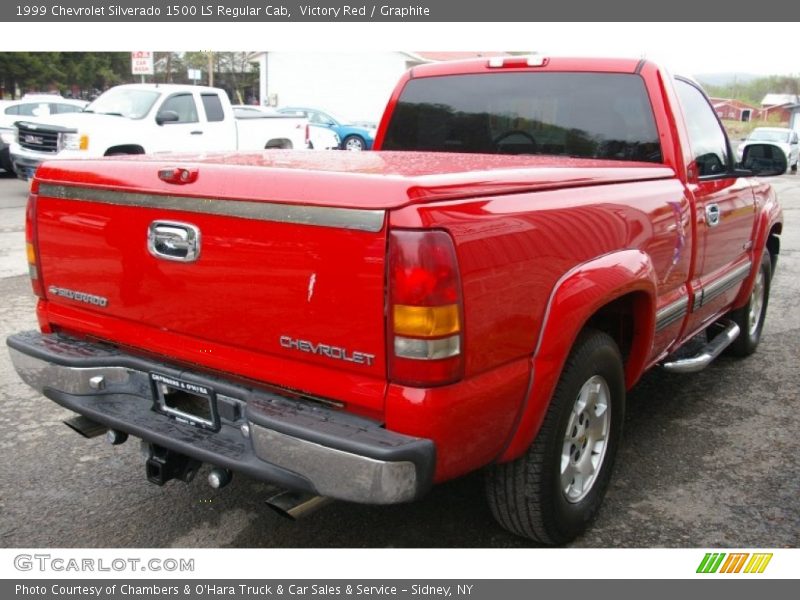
(552, 492)
(750, 318)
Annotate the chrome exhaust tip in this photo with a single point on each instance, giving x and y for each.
(85, 426)
(296, 505)
(115, 438)
(219, 478)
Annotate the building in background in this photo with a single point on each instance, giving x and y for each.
(735, 110)
(354, 85)
(778, 107)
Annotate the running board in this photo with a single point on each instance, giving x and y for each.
(706, 356)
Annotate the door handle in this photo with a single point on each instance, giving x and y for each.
(197, 133)
(171, 240)
(713, 215)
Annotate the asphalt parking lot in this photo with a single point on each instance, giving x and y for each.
(708, 460)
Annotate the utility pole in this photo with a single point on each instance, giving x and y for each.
(210, 69)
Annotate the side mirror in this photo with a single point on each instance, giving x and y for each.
(167, 116)
(764, 160)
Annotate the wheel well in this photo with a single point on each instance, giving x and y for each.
(624, 319)
(279, 144)
(774, 245)
(124, 149)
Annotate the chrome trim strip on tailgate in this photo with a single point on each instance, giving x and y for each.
(323, 216)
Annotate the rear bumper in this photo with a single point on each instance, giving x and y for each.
(293, 443)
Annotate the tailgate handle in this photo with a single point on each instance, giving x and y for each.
(171, 240)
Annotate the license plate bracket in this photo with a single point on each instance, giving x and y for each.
(185, 401)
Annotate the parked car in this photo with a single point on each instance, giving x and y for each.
(787, 139)
(31, 107)
(37, 105)
(146, 118)
(319, 137)
(354, 137)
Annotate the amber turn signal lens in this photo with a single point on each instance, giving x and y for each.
(426, 321)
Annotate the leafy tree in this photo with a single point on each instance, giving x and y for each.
(86, 74)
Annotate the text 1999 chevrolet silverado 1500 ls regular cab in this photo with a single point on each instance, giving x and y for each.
(532, 235)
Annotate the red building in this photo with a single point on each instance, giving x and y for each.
(735, 110)
(778, 107)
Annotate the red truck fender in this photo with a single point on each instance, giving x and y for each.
(625, 280)
(769, 224)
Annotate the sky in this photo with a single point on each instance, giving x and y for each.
(688, 48)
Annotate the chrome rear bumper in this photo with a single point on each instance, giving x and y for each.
(290, 442)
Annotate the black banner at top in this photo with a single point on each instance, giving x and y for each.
(38, 11)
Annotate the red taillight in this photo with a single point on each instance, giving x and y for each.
(425, 314)
(32, 247)
(308, 133)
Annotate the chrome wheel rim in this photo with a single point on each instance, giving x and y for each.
(756, 303)
(586, 439)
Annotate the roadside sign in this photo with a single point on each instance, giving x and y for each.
(142, 63)
(195, 74)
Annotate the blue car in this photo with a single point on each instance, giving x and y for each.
(354, 137)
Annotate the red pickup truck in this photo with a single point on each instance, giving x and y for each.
(532, 235)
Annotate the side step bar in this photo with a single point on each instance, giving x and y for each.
(707, 355)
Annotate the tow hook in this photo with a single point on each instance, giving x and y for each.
(163, 465)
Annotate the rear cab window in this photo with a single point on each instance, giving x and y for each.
(584, 115)
(213, 107)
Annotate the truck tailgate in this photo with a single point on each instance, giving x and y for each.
(302, 285)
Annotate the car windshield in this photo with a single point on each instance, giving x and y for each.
(585, 115)
(769, 135)
(124, 102)
(317, 117)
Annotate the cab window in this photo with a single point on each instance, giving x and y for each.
(184, 105)
(706, 137)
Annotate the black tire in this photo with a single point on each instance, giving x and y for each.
(750, 318)
(5, 163)
(354, 143)
(527, 496)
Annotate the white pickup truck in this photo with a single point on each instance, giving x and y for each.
(148, 118)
